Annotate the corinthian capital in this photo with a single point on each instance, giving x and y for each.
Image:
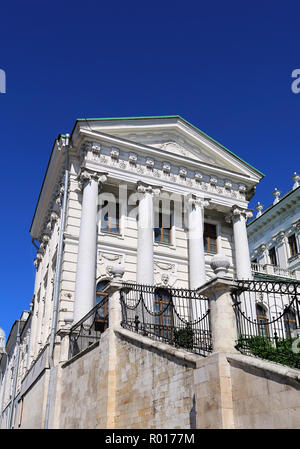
(143, 188)
(238, 212)
(194, 201)
(86, 175)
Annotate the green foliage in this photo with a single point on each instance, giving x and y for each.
(279, 351)
(184, 338)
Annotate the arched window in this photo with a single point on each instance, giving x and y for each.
(290, 322)
(262, 321)
(100, 294)
(101, 318)
(163, 305)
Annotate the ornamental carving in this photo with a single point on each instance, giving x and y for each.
(175, 148)
(165, 274)
(87, 175)
(143, 188)
(182, 172)
(166, 167)
(132, 158)
(238, 212)
(106, 263)
(114, 153)
(197, 201)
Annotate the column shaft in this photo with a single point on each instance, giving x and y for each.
(145, 266)
(242, 254)
(197, 275)
(87, 251)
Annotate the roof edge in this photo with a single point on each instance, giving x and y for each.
(185, 121)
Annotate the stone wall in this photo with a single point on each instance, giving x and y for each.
(83, 398)
(30, 414)
(154, 389)
(265, 395)
(129, 381)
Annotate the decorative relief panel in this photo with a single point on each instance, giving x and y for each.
(165, 274)
(105, 263)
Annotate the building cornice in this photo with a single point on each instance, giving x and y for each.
(274, 210)
(176, 118)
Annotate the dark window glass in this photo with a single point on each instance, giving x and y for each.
(163, 233)
(210, 238)
(272, 256)
(110, 221)
(293, 245)
(163, 306)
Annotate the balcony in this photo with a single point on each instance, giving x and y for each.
(274, 270)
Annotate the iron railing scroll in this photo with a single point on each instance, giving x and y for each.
(268, 319)
(89, 329)
(180, 317)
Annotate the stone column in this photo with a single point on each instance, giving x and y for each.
(197, 275)
(87, 249)
(110, 361)
(145, 266)
(242, 255)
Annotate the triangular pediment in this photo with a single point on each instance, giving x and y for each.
(174, 136)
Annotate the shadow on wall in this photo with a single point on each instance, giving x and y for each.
(193, 414)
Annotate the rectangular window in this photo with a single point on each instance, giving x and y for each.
(292, 245)
(163, 233)
(272, 256)
(210, 238)
(110, 218)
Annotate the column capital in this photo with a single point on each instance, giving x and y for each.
(142, 188)
(86, 175)
(194, 200)
(237, 212)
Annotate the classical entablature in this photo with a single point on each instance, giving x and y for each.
(167, 151)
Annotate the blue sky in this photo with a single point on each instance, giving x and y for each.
(223, 66)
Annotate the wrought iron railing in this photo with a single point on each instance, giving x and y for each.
(268, 319)
(89, 329)
(179, 317)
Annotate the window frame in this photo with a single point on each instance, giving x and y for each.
(274, 254)
(263, 317)
(287, 320)
(293, 245)
(110, 220)
(162, 303)
(217, 244)
(161, 229)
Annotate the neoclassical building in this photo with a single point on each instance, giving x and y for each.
(274, 236)
(154, 195)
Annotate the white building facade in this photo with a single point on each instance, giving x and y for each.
(274, 236)
(154, 195)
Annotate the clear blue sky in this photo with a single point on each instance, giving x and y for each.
(223, 66)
